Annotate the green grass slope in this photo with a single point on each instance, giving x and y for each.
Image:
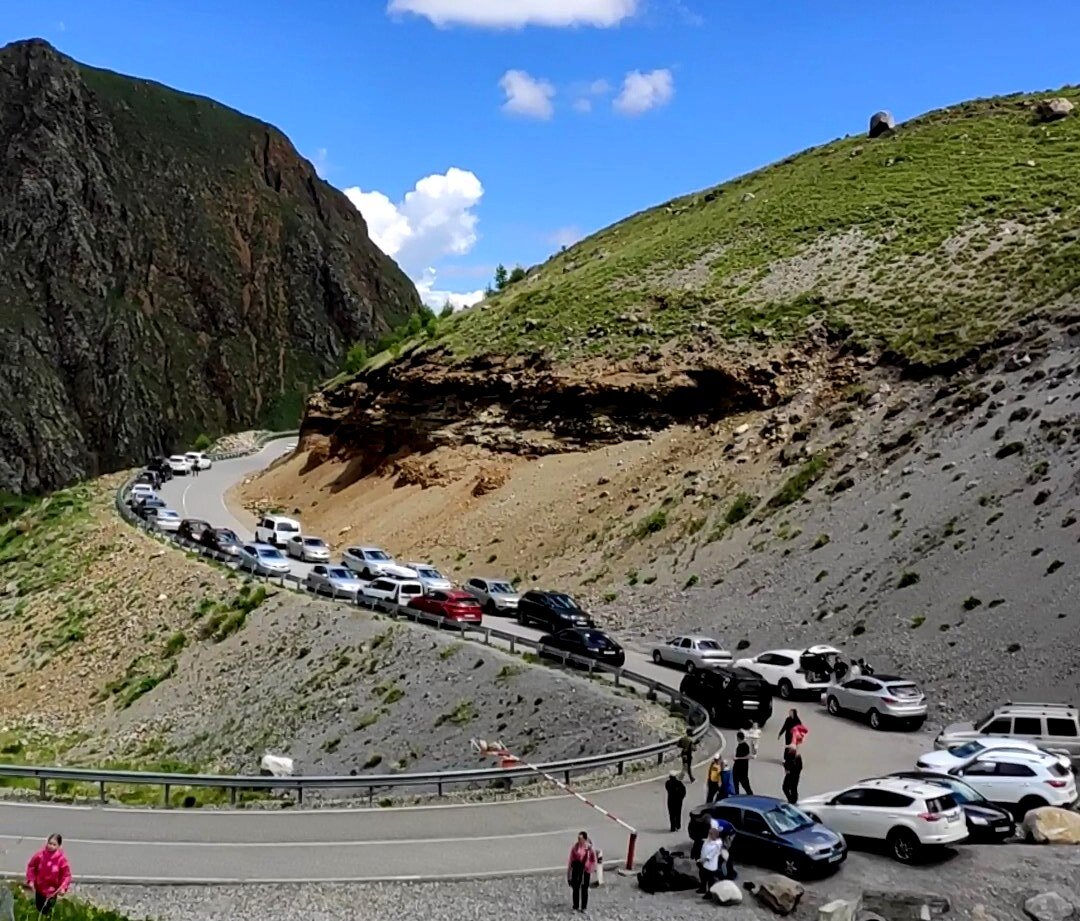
(925, 244)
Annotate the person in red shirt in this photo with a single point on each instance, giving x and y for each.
(580, 868)
(48, 874)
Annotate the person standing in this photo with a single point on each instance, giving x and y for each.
(48, 874)
(676, 793)
(709, 861)
(686, 753)
(790, 723)
(580, 869)
(713, 778)
(792, 772)
(753, 736)
(741, 771)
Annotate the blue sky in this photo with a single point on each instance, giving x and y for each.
(478, 107)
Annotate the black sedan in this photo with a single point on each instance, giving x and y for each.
(221, 539)
(771, 833)
(192, 528)
(985, 821)
(552, 611)
(584, 642)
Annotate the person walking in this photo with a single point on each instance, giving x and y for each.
(709, 861)
(790, 723)
(740, 773)
(48, 874)
(676, 793)
(753, 736)
(713, 779)
(686, 753)
(792, 772)
(580, 869)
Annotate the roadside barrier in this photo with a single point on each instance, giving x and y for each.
(695, 715)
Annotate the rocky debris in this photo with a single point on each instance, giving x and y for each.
(904, 906)
(777, 893)
(881, 123)
(1049, 906)
(840, 910)
(490, 479)
(1050, 110)
(236, 443)
(1051, 825)
(198, 234)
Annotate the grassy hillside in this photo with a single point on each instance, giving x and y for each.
(926, 243)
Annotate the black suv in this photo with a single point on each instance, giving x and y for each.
(160, 466)
(733, 696)
(552, 611)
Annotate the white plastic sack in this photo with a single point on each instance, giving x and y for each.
(726, 892)
(276, 765)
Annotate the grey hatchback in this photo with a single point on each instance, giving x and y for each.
(880, 699)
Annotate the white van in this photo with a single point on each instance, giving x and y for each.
(276, 530)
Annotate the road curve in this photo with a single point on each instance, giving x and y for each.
(424, 842)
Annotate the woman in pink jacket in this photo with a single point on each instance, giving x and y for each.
(48, 874)
(582, 865)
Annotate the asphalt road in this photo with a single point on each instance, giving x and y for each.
(114, 845)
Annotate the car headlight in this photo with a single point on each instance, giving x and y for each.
(978, 820)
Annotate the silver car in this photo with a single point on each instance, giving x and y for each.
(309, 549)
(881, 699)
(494, 595)
(691, 652)
(333, 580)
(430, 577)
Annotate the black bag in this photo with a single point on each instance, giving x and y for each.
(667, 871)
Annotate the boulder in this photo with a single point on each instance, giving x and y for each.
(839, 910)
(777, 893)
(904, 906)
(1051, 825)
(881, 123)
(1050, 110)
(1048, 906)
(726, 892)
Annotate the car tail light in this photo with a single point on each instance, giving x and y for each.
(931, 816)
(889, 700)
(1058, 784)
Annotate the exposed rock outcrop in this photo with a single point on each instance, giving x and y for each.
(167, 266)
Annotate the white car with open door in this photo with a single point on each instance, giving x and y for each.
(794, 672)
(690, 652)
(909, 816)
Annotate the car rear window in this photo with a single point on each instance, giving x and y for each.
(1058, 771)
(708, 644)
(1060, 727)
(902, 690)
(286, 526)
(313, 541)
(412, 588)
(941, 803)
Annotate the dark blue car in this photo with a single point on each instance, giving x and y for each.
(771, 833)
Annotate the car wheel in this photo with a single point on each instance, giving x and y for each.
(657, 658)
(903, 845)
(689, 667)
(916, 725)
(489, 608)
(876, 721)
(833, 705)
(785, 689)
(1030, 802)
(792, 867)
(521, 618)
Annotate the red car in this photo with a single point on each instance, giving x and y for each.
(458, 607)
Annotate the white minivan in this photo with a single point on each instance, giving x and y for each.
(276, 530)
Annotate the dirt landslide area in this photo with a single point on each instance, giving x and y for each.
(931, 523)
(122, 651)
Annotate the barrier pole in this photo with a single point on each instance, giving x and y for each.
(509, 760)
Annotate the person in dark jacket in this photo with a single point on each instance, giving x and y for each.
(740, 773)
(676, 793)
(792, 772)
(790, 723)
(686, 753)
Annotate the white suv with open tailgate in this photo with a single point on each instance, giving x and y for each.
(792, 672)
(910, 816)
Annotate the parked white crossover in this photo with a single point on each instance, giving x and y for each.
(881, 700)
(372, 562)
(179, 465)
(198, 460)
(793, 671)
(1020, 781)
(430, 577)
(309, 549)
(276, 530)
(945, 761)
(691, 652)
(383, 591)
(262, 558)
(909, 816)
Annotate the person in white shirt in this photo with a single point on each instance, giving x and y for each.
(709, 861)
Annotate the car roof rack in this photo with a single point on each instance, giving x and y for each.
(1041, 705)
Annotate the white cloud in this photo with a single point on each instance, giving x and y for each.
(516, 14)
(321, 161)
(565, 236)
(642, 92)
(587, 91)
(525, 95)
(599, 88)
(435, 219)
(583, 105)
(437, 298)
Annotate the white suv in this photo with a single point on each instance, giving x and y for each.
(1020, 781)
(383, 591)
(908, 815)
(793, 671)
(276, 530)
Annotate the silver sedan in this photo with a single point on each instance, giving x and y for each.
(881, 699)
(691, 652)
(333, 580)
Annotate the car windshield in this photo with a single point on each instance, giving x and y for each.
(226, 536)
(270, 553)
(501, 588)
(314, 542)
(428, 573)
(168, 513)
(967, 750)
(596, 639)
(379, 555)
(562, 601)
(708, 645)
(339, 572)
(785, 819)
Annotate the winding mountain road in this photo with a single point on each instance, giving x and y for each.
(425, 842)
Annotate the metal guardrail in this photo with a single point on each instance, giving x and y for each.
(697, 718)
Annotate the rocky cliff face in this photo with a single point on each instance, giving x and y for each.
(167, 266)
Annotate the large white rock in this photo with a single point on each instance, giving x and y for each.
(726, 892)
(1051, 825)
(1049, 906)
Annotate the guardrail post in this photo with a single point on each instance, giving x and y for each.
(440, 788)
(41, 788)
(511, 644)
(370, 796)
(166, 795)
(300, 796)
(232, 796)
(101, 790)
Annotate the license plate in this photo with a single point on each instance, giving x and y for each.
(835, 858)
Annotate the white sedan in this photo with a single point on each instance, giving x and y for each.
(691, 652)
(198, 460)
(167, 520)
(430, 577)
(309, 549)
(795, 672)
